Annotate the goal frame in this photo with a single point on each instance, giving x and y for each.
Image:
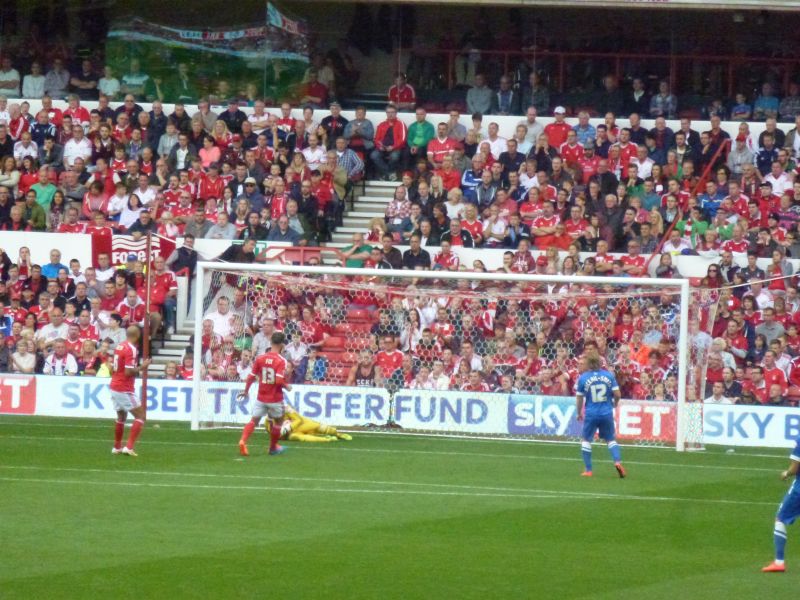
(680, 285)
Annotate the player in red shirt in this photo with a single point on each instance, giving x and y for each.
(270, 371)
(123, 378)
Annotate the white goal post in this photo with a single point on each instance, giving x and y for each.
(208, 287)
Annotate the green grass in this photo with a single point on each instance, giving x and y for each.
(380, 517)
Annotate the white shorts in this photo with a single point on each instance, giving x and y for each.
(271, 410)
(125, 401)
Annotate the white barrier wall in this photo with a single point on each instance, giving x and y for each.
(71, 245)
(80, 246)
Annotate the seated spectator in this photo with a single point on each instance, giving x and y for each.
(389, 143)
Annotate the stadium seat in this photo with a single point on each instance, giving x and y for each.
(333, 342)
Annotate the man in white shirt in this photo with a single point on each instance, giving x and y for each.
(60, 362)
(497, 144)
(33, 83)
(643, 163)
(260, 118)
(77, 147)
(222, 318)
(25, 147)
(315, 154)
(779, 179)
(54, 330)
(9, 78)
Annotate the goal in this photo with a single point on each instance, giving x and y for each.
(451, 352)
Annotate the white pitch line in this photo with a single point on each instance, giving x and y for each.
(305, 490)
(468, 490)
(344, 448)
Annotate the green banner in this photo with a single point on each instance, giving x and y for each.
(265, 60)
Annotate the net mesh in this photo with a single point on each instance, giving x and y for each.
(481, 337)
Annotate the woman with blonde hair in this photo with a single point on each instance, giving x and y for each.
(375, 230)
(455, 205)
(656, 223)
(221, 134)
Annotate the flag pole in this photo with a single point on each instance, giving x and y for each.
(146, 332)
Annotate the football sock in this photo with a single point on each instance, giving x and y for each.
(780, 541)
(248, 429)
(119, 430)
(613, 448)
(136, 429)
(274, 436)
(326, 430)
(586, 451)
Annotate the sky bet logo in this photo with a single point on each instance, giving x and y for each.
(540, 415)
(17, 394)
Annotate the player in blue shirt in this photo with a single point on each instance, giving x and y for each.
(600, 390)
(788, 511)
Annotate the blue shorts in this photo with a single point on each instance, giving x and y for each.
(789, 510)
(603, 425)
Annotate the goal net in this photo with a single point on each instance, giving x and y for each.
(459, 353)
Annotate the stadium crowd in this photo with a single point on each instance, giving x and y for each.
(564, 189)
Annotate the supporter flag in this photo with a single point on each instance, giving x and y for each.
(120, 246)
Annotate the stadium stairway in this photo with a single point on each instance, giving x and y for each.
(174, 347)
(371, 203)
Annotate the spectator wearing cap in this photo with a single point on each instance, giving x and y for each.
(739, 156)
(233, 117)
(252, 194)
(557, 130)
(401, 94)
(234, 152)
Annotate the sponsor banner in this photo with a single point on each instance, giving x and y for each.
(18, 394)
(555, 416)
(740, 425)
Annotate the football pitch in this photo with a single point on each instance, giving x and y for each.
(383, 516)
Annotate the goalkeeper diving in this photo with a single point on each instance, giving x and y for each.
(297, 428)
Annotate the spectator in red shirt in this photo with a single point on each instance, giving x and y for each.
(315, 93)
(401, 94)
(390, 140)
(558, 129)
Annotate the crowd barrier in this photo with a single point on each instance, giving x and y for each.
(445, 412)
(86, 248)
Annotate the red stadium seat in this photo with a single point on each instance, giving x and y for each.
(333, 342)
(355, 315)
